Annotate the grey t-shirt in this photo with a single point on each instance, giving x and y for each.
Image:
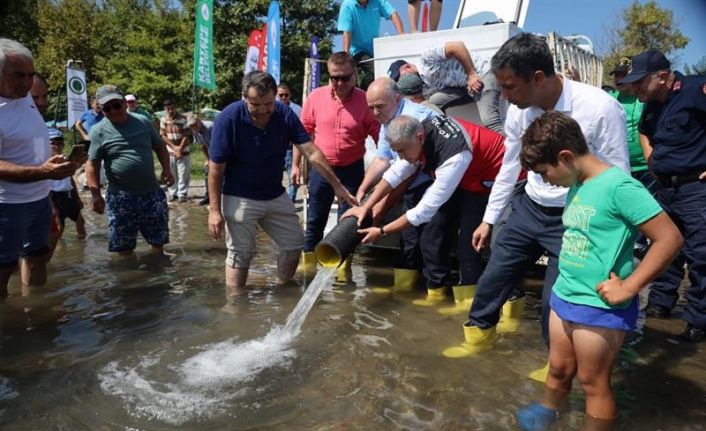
(126, 149)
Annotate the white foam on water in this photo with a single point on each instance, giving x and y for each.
(203, 384)
(6, 391)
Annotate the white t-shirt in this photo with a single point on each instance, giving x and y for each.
(24, 140)
(62, 185)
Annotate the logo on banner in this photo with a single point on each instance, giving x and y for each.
(76, 85)
(205, 12)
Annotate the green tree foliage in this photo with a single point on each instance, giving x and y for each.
(146, 46)
(151, 50)
(696, 69)
(68, 29)
(643, 26)
(232, 26)
(18, 21)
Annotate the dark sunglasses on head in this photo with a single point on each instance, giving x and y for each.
(344, 78)
(115, 106)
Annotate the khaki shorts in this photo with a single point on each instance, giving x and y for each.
(276, 217)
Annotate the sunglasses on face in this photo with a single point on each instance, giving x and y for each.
(344, 78)
(115, 106)
(282, 95)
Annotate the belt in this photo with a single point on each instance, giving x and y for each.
(675, 180)
(550, 211)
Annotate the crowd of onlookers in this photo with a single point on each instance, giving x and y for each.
(595, 181)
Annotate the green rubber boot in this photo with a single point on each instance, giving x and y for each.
(463, 298)
(511, 315)
(434, 297)
(475, 340)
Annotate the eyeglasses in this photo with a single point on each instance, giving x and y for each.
(344, 78)
(281, 95)
(115, 106)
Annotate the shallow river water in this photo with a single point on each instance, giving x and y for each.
(153, 344)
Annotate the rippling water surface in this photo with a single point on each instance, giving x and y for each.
(153, 344)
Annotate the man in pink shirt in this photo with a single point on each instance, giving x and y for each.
(337, 118)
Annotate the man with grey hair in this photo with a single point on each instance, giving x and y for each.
(386, 102)
(463, 158)
(248, 145)
(25, 168)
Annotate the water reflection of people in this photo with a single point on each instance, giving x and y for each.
(594, 300)
(25, 168)
(248, 146)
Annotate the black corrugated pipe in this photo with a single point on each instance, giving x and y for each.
(333, 250)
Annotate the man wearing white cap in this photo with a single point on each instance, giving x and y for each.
(134, 108)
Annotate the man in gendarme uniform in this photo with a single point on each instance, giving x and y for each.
(674, 120)
(639, 152)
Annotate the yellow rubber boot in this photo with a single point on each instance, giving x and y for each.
(405, 280)
(434, 297)
(511, 315)
(307, 264)
(463, 298)
(475, 340)
(540, 375)
(344, 274)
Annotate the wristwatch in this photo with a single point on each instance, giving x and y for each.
(383, 234)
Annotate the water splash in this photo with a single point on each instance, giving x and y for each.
(203, 384)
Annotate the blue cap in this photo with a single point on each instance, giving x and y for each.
(55, 134)
(645, 63)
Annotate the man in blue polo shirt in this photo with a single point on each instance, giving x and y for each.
(248, 146)
(359, 20)
(674, 121)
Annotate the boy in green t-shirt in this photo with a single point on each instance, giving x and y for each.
(594, 300)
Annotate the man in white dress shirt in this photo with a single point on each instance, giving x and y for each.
(524, 68)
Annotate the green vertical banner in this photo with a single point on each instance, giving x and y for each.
(204, 75)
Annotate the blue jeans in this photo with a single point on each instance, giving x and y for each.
(24, 230)
(292, 189)
(686, 205)
(529, 231)
(321, 196)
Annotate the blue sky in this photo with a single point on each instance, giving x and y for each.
(588, 17)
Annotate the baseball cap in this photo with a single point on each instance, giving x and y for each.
(130, 98)
(107, 93)
(191, 119)
(55, 134)
(410, 83)
(645, 63)
(394, 70)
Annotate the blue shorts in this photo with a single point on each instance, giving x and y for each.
(611, 318)
(24, 230)
(130, 213)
